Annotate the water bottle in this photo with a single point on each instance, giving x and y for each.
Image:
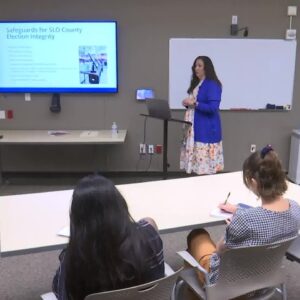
(114, 129)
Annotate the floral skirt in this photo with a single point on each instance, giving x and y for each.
(202, 158)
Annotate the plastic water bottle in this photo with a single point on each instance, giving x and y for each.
(114, 129)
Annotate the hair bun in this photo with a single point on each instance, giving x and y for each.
(264, 151)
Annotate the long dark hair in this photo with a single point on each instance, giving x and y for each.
(209, 73)
(104, 251)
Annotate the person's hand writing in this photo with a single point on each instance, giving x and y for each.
(231, 208)
(228, 221)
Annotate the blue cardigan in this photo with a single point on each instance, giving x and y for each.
(207, 122)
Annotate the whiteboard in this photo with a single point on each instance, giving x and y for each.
(253, 72)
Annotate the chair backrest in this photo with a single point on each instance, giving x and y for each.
(161, 289)
(293, 252)
(243, 270)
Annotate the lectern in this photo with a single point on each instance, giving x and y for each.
(159, 109)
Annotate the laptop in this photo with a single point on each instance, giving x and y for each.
(158, 108)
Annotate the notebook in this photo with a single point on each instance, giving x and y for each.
(64, 231)
(219, 213)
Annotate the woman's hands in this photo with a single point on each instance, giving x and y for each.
(228, 207)
(188, 101)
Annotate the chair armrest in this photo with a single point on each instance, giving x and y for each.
(186, 256)
(168, 270)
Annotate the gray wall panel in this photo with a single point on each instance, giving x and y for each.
(144, 29)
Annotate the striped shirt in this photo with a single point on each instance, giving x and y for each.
(257, 226)
(154, 259)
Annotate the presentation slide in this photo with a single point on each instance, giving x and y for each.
(58, 57)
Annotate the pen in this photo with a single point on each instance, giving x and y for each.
(227, 198)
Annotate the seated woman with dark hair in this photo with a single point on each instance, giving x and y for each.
(107, 249)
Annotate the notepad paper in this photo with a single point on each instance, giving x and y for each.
(64, 231)
(219, 213)
(49, 296)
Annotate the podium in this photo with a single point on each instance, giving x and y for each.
(165, 139)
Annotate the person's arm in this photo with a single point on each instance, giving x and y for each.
(213, 99)
(58, 283)
(155, 246)
(151, 222)
(237, 231)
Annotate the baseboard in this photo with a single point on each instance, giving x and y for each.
(65, 178)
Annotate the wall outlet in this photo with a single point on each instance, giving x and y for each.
(252, 148)
(2, 114)
(234, 20)
(291, 34)
(151, 149)
(27, 97)
(142, 148)
(292, 11)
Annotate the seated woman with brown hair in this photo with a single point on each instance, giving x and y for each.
(277, 219)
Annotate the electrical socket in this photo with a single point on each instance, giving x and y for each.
(291, 34)
(142, 148)
(27, 97)
(151, 149)
(292, 11)
(234, 20)
(252, 148)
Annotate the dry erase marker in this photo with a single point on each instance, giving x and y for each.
(227, 198)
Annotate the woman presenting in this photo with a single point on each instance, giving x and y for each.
(202, 150)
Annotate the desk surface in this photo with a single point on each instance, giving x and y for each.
(30, 222)
(58, 137)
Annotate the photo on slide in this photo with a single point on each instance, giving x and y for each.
(93, 65)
